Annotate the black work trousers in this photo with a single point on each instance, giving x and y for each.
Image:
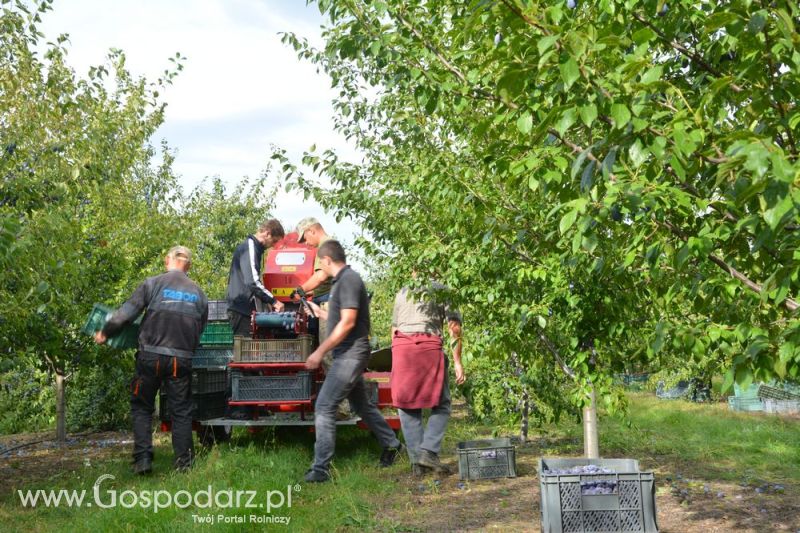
(176, 373)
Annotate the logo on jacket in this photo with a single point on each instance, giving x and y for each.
(173, 294)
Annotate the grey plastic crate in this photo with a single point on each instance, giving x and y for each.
(486, 459)
(203, 406)
(776, 393)
(212, 357)
(209, 381)
(277, 387)
(272, 350)
(218, 310)
(631, 507)
(781, 406)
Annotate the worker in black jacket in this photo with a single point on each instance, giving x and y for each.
(177, 312)
(244, 280)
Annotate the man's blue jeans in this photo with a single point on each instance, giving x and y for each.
(345, 380)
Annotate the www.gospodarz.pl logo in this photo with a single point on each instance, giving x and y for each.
(155, 500)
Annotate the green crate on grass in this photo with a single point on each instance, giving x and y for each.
(745, 404)
(217, 334)
(127, 338)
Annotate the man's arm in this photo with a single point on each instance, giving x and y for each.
(314, 281)
(339, 333)
(455, 333)
(249, 269)
(126, 314)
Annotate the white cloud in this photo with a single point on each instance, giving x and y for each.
(241, 89)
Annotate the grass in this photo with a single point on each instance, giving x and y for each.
(701, 441)
(713, 441)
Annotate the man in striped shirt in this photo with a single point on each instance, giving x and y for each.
(244, 280)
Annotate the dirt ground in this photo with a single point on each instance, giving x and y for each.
(22, 465)
(682, 505)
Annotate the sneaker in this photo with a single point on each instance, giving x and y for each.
(316, 476)
(390, 455)
(143, 466)
(432, 461)
(418, 470)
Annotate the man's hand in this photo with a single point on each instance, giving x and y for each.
(460, 376)
(100, 337)
(314, 360)
(319, 312)
(277, 306)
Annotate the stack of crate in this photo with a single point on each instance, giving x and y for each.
(271, 372)
(210, 375)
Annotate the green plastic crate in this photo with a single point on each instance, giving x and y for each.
(746, 405)
(217, 334)
(127, 338)
(631, 507)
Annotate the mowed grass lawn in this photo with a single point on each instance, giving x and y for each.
(672, 438)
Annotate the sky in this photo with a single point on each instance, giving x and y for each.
(241, 89)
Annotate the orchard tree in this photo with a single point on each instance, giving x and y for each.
(82, 211)
(588, 176)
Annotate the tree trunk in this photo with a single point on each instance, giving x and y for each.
(61, 411)
(591, 445)
(523, 432)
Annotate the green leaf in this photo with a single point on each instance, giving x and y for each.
(525, 123)
(620, 114)
(653, 74)
(638, 153)
(567, 221)
(727, 382)
(566, 120)
(541, 321)
(545, 43)
(569, 72)
(588, 113)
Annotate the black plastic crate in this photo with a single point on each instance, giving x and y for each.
(277, 387)
(212, 357)
(571, 505)
(203, 406)
(209, 381)
(486, 459)
(217, 310)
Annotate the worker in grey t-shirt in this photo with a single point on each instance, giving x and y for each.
(419, 372)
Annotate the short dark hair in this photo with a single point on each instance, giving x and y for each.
(333, 249)
(274, 227)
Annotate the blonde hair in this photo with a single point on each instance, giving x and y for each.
(180, 253)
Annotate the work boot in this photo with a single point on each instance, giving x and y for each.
(183, 463)
(143, 466)
(418, 470)
(431, 460)
(316, 476)
(390, 455)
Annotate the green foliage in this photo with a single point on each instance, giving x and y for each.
(27, 401)
(604, 188)
(99, 397)
(88, 211)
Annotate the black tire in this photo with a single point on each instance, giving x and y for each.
(211, 435)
